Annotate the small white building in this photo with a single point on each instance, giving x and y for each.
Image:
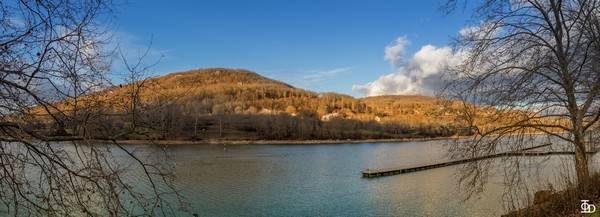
(330, 116)
(266, 111)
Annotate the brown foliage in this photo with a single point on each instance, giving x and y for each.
(241, 104)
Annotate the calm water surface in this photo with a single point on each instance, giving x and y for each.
(325, 180)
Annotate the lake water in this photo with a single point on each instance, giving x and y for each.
(325, 180)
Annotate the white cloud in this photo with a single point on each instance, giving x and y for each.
(420, 75)
(467, 31)
(482, 31)
(395, 53)
(319, 75)
(313, 79)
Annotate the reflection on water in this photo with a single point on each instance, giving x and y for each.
(325, 180)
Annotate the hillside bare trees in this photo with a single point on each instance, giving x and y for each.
(53, 54)
(539, 59)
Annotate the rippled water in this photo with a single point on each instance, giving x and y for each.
(325, 180)
(311, 180)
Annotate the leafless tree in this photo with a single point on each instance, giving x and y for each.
(53, 55)
(537, 64)
(137, 90)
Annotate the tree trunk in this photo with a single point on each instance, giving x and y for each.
(581, 166)
(196, 126)
(220, 126)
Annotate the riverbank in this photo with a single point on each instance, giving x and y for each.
(562, 203)
(270, 142)
(249, 140)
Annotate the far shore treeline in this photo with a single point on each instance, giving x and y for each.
(230, 104)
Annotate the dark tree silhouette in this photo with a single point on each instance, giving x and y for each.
(537, 63)
(53, 54)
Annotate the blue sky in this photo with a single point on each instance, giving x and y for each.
(323, 46)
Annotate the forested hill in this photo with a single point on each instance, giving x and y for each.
(219, 90)
(240, 104)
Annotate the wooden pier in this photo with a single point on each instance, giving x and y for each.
(425, 166)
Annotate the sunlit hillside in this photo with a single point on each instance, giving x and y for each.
(242, 91)
(240, 104)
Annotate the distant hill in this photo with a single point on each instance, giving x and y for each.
(240, 104)
(239, 86)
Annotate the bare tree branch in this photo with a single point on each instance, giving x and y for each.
(536, 63)
(54, 57)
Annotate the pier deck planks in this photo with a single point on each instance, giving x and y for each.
(430, 165)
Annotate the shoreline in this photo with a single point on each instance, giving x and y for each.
(277, 142)
(271, 142)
